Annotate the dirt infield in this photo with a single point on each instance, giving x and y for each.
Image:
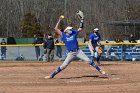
(79, 77)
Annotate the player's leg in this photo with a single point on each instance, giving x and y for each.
(48, 54)
(57, 51)
(60, 51)
(52, 55)
(37, 50)
(63, 66)
(4, 54)
(98, 55)
(82, 56)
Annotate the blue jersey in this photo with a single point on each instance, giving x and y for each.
(95, 38)
(71, 41)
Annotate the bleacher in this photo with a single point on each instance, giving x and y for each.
(116, 53)
(129, 53)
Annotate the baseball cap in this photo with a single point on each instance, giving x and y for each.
(96, 29)
(67, 28)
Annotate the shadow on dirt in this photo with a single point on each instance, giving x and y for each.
(86, 76)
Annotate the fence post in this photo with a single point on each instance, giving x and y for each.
(121, 52)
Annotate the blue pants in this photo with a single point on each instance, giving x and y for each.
(37, 50)
(59, 52)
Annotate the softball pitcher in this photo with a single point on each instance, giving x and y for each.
(94, 45)
(69, 37)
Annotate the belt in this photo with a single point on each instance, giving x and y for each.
(74, 50)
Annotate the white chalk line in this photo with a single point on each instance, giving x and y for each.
(72, 81)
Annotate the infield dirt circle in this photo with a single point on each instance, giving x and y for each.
(78, 77)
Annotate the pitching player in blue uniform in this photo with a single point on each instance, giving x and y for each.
(94, 45)
(69, 37)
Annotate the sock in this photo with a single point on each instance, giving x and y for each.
(56, 72)
(95, 66)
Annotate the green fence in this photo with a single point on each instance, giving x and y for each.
(24, 40)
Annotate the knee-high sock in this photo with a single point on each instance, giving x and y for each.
(56, 72)
(94, 65)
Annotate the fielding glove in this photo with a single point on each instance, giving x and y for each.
(80, 14)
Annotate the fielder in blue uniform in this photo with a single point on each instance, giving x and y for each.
(94, 44)
(69, 37)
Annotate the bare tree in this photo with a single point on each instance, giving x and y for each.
(97, 14)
